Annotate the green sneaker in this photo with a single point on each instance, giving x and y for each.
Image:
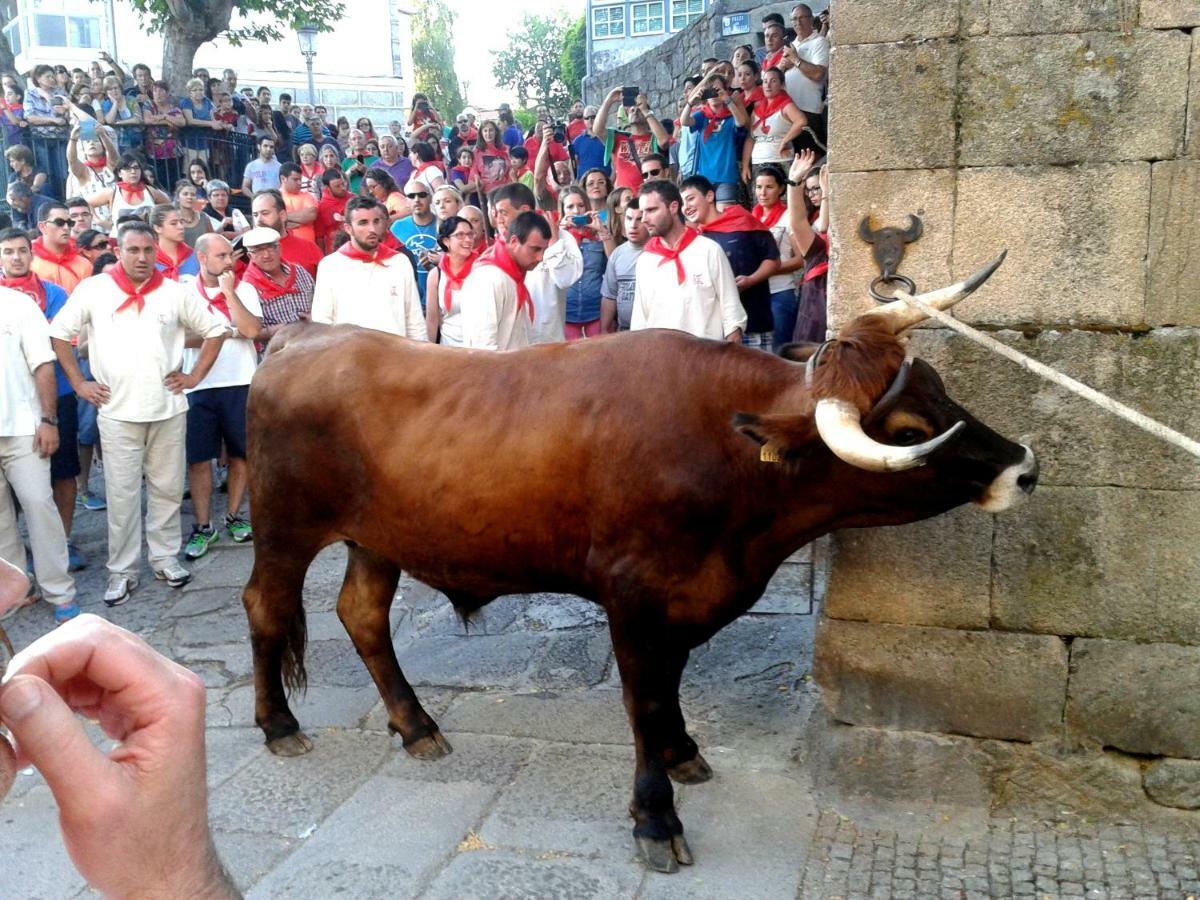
(200, 541)
(239, 529)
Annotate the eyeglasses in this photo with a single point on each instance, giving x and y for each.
(61, 223)
(651, 173)
(263, 248)
(464, 235)
(416, 195)
(103, 245)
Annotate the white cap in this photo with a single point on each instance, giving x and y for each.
(260, 237)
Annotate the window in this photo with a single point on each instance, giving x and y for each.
(608, 22)
(84, 31)
(51, 31)
(11, 25)
(13, 33)
(647, 17)
(685, 12)
(66, 31)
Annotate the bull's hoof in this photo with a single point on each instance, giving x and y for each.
(431, 746)
(295, 744)
(663, 855)
(694, 771)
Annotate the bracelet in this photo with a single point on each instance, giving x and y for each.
(794, 183)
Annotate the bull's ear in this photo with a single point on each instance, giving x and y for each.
(798, 351)
(779, 437)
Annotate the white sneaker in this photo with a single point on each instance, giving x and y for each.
(173, 574)
(119, 589)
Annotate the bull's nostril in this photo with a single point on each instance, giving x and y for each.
(1028, 481)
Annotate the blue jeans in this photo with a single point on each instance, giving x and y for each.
(784, 307)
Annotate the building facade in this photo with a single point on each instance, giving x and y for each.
(623, 30)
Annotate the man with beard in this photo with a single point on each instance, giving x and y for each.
(268, 211)
(331, 211)
(497, 308)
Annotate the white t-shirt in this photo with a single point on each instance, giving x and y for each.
(548, 281)
(707, 304)
(782, 232)
(24, 346)
(238, 359)
(263, 174)
(490, 314)
(383, 297)
(806, 93)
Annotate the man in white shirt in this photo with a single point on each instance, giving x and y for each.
(805, 67)
(497, 309)
(217, 405)
(28, 435)
(683, 280)
(367, 284)
(137, 322)
(262, 172)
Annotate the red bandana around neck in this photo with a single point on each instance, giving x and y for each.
(454, 280)
(499, 258)
(217, 302)
(133, 194)
(582, 234)
(97, 165)
(734, 218)
(767, 108)
(658, 247)
(135, 297)
(428, 165)
(268, 289)
(29, 284)
(769, 217)
(381, 255)
(772, 60)
(714, 117)
(170, 267)
(751, 97)
(41, 251)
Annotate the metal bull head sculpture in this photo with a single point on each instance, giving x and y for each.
(887, 245)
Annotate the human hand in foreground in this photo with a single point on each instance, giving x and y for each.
(135, 821)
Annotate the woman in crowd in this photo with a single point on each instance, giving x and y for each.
(21, 168)
(379, 184)
(740, 54)
(121, 113)
(174, 258)
(92, 243)
(364, 125)
(474, 215)
(618, 202)
(130, 194)
(195, 223)
(427, 169)
(311, 169)
(46, 101)
(460, 175)
(200, 113)
(447, 202)
(343, 132)
(401, 170)
(810, 244)
(776, 122)
(491, 167)
(460, 241)
(769, 186)
(594, 240)
(91, 171)
(12, 114)
(82, 101)
(225, 220)
(747, 81)
(424, 123)
(198, 175)
(330, 158)
(596, 188)
(372, 146)
(163, 120)
(357, 161)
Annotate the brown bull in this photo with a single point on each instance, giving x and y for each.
(662, 476)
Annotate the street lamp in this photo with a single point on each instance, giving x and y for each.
(307, 35)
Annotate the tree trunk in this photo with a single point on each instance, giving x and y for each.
(180, 44)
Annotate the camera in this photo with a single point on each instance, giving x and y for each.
(708, 94)
(581, 220)
(629, 96)
(560, 133)
(423, 106)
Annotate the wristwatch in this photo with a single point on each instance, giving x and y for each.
(50, 420)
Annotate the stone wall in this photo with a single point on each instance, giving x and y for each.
(1049, 655)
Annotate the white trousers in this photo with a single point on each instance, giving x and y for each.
(131, 450)
(29, 477)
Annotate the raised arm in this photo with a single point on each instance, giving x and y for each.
(802, 232)
(600, 125)
(656, 128)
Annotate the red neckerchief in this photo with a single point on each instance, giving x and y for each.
(381, 255)
(817, 270)
(170, 267)
(752, 97)
(427, 165)
(734, 218)
(454, 280)
(658, 247)
(134, 194)
(768, 217)
(29, 284)
(767, 108)
(312, 173)
(219, 303)
(133, 296)
(268, 289)
(517, 173)
(64, 259)
(464, 171)
(390, 242)
(499, 258)
(714, 117)
(97, 165)
(581, 234)
(770, 62)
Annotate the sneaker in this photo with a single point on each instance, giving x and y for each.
(173, 574)
(88, 500)
(119, 589)
(239, 529)
(199, 542)
(75, 559)
(65, 613)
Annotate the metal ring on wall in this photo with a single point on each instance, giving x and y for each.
(906, 283)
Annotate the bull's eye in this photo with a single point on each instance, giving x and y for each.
(908, 437)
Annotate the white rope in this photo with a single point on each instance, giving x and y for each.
(1159, 430)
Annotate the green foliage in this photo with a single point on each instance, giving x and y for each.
(209, 19)
(525, 118)
(573, 59)
(531, 63)
(433, 58)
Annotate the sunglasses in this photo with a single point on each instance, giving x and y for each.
(651, 173)
(61, 223)
(103, 245)
(416, 195)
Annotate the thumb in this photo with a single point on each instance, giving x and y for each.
(50, 736)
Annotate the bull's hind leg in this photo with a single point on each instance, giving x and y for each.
(277, 635)
(363, 608)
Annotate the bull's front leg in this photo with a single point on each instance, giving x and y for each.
(650, 674)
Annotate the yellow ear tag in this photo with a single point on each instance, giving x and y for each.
(770, 454)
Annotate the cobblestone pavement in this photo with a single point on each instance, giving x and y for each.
(532, 802)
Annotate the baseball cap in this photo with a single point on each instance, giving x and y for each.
(260, 237)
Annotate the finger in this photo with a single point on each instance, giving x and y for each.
(50, 736)
(8, 767)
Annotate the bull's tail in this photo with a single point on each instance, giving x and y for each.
(295, 676)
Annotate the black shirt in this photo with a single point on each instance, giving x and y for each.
(746, 251)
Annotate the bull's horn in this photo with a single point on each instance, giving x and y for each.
(900, 315)
(864, 230)
(840, 427)
(913, 231)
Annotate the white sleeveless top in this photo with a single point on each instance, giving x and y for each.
(768, 146)
(452, 333)
(120, 206)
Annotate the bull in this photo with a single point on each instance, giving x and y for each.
(659, 475)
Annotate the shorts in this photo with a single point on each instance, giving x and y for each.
(89, 431)
(215, 415)
(64, 463)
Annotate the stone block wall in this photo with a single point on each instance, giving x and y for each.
(1049, 655)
